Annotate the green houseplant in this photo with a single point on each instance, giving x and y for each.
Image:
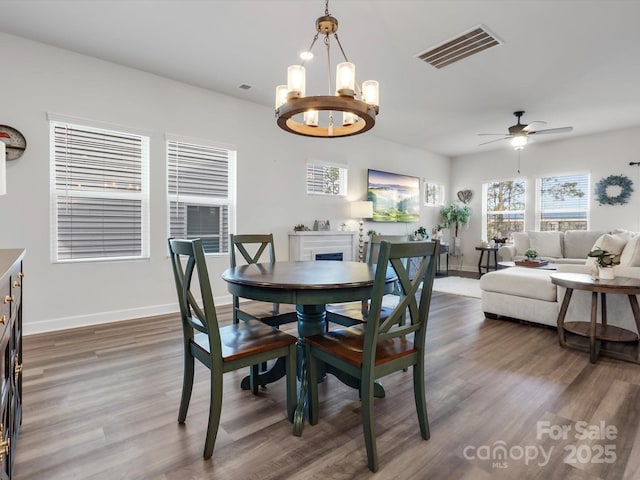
(456, 215)
(531, 254)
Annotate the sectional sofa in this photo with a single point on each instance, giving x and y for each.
(528, 294)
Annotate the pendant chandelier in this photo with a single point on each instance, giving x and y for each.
(358, 106)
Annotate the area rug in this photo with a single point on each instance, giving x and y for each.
(466, 287)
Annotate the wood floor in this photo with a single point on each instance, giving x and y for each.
(102, 403)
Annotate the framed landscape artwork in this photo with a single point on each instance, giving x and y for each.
(395, 197)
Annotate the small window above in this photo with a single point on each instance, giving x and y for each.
(433, 194)
(326, 179)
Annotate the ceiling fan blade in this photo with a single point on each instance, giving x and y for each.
(531, 125)
(552, 130)
(503, 134)
(496, 140)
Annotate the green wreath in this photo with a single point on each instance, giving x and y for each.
(626, 187)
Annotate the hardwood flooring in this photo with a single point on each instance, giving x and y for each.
(102, 403)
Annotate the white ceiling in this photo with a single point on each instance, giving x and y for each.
(568, 62)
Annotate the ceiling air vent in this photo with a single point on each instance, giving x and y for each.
(469, 43)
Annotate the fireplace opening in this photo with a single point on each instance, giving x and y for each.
(329, 256)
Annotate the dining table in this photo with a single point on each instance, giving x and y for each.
(309, 285)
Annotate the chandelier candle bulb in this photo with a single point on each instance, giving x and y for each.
(348, 118)
(311, 118)
(281, 95)
(296, 81)
(370, 92)
(345, 79)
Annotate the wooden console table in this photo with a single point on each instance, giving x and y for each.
(599, 332)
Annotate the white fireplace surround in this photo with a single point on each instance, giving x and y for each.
(306, 245)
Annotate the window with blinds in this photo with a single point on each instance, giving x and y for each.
(200, 193)
(100, 193)
(326, 179)
(563, 202)
(503, 208)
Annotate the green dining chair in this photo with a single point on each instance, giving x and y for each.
(257, 248)
(223, 349)
(375, 349)
(353, 313)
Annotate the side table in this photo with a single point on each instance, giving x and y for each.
(488, 265)
(598, 332)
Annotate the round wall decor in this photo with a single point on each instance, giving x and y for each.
(16, 143)
(604, 193)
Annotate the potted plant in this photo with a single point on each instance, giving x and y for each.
(605, 261)
(455, 215)
(421, 234)
(531, 254)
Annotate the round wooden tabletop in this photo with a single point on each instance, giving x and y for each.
(583, 281)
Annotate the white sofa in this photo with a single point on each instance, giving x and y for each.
(528, 294)
(571, 246)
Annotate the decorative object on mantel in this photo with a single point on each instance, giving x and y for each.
(321, 225)
(465, 196)
(361, 210)
(301, 228)
(359, 106)
(456, 214)
(605, 261)
(604, 194)
(14, 140)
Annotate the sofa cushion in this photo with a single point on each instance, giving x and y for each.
(630, 256)
(612, 243)
(547, 244)
(578, 243)
(521, 282)
(521, 242)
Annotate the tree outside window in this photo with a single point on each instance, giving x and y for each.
(563, 202)
(504, 206)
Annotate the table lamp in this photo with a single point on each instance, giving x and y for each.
(361, 210)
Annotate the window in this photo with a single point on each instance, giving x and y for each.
(100, 193)
(433, 194)
(326, 179)
(563, 202)
(503, 208)
(200, 182)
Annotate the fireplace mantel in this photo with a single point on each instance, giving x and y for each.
(306, 245)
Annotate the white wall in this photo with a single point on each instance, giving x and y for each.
(600, 155)
(271, 177)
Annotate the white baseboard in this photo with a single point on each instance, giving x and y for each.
(64, 323)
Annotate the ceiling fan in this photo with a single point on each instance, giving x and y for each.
(519, 132)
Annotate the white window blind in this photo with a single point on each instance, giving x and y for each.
(503, 208)
(100, 193)
(563, 202)
(325, 179)
(200, 193)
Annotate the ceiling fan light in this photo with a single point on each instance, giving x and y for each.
(519, 141)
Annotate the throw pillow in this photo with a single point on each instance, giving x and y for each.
(521, 242)
(611, 243)
(547, 244)
(630, 256)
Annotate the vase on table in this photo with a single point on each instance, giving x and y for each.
(606, 273)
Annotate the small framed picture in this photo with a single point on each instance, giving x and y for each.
(321, 225)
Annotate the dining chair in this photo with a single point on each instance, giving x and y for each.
(353, 313)
(257, 248)
(220, 349)
(376, 349)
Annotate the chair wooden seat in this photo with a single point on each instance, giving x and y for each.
(240, 345)
(348, 345)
